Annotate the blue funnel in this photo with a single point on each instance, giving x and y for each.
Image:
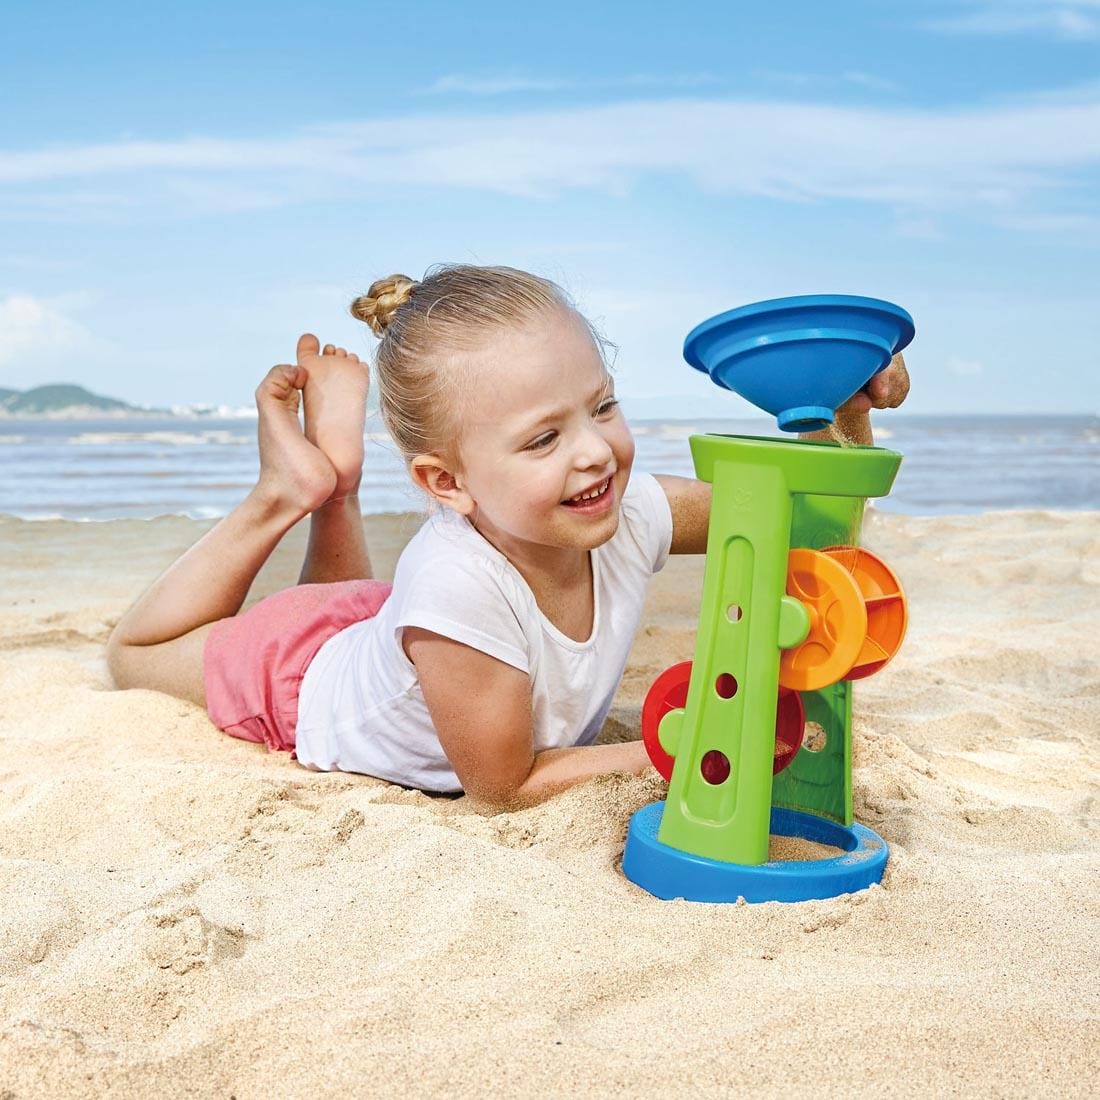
(800, 358)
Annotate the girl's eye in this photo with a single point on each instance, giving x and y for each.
(542, 441)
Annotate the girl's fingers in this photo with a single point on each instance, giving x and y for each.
(856, 405)
(898, 388)
(889, 388)
(878, 388)
(901, 391)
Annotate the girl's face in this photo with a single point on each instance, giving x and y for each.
(541, 426)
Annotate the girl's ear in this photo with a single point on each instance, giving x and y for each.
(429, 472)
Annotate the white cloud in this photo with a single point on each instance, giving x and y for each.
(1078, 228)
(919, 229)
(823, 82)
(33, 330)
(1072, 20)
(870, 81)
(22, 262)
(964, 368)
(507, 84)
(997, 161)
(494, 85)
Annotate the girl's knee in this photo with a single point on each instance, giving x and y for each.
(132, 666)
(174, 667)
(118, 663)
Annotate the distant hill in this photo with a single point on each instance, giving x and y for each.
(64, 401)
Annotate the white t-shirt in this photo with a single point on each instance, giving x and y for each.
(360, 707)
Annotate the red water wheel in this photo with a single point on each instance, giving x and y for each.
(790, 727)
(670, 691)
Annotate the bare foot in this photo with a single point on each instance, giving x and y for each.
(335, 397)
(293, 472)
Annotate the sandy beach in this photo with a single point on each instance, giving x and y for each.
(183, 914)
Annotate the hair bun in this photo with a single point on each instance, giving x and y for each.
(384, 298)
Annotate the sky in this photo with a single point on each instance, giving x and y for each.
(184, 188)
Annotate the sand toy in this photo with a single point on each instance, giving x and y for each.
(793, 610)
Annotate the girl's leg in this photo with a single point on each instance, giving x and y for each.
(335, 399)
(337, 547)
(158, 643)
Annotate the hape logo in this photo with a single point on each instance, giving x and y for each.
(741, 499)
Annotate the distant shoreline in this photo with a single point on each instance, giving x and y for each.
(224, 413)
(88, 412)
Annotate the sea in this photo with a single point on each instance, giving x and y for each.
(99, 470)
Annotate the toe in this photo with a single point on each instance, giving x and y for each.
(328, 349)
(308, 345)
(282, 374)
(281, 383)
(342, 351)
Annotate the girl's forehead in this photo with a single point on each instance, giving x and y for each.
(520, 378)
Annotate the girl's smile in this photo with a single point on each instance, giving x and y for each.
(593, 502)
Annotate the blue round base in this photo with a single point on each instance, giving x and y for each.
(669, 873)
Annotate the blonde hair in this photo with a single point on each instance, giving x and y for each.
(427, 330)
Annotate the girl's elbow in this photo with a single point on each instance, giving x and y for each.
(500, 793)
(498, 799)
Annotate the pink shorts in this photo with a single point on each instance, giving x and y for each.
(253, 663)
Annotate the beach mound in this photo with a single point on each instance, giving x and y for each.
(186, 914)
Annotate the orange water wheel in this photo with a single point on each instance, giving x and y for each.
(858, 615)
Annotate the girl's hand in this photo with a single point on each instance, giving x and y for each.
(887, 390)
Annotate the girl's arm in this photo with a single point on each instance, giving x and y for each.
(481, 710)
(556, 769)
(689, 500)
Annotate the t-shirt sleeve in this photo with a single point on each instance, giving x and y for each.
(466, 601)
(647, 511)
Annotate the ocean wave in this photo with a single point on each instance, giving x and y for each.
(199, 513)
(178, 439)
(215, 412)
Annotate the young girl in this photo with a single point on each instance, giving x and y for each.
(490, 664)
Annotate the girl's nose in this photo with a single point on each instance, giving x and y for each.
(593, 450)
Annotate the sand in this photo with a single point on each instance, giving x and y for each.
(185, 914)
